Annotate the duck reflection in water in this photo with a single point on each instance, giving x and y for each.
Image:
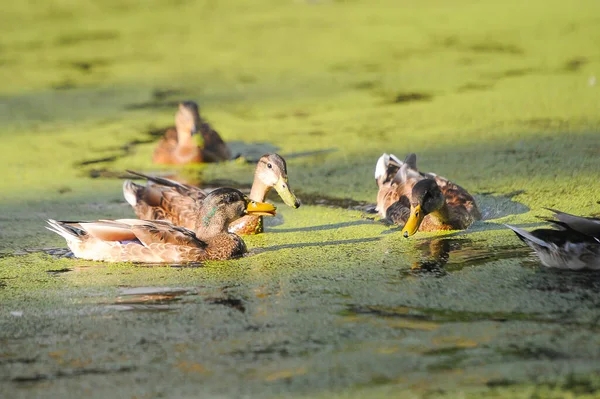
(433, 256)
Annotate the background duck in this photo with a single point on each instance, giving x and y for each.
(133, 240)
(166, 199)
(178, 145)
(421, 201)
(573, 244)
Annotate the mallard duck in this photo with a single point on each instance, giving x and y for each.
(134, 240)
(421, 201)
(166, 199)
(178, 145)
(575, 244)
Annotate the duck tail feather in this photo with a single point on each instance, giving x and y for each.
(526, 236)
(158, 180)
(411, 160)
(67, 231)
(130, 192)
(381, 166)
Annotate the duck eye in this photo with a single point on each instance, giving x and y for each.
(269, 166)
(417, 213)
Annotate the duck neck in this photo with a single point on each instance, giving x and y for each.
(259, 190)
(184, 138)
(210, 223)
(442, 214)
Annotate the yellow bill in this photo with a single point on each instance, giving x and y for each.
(413, 222)
(283, 189)
(260, 209)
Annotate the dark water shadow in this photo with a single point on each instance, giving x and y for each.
(27, 380)
(58, 272)
(55, 252)
(251, 152)
(440, 315)
(161, 99)
(230, 302)
(493, 206)
(585, 283)
(121, 152)
(322, 227)
(323, 200)
(66, 253)
(257, 251)
(294, 155)
(149, 299)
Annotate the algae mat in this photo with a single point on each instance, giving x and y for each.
(501, 97)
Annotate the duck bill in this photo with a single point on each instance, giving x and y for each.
(413, 222)
(283, 189)
(260, 209)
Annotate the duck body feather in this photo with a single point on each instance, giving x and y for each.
(166, 199)
(132, 240)
(155, 241)
(177, 146)
(396, 181)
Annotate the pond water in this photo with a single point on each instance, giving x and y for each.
(499, 97)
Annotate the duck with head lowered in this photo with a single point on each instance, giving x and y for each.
(573, 244)
(178, 145)
(421, 201)
(165, 199)
(152, 241)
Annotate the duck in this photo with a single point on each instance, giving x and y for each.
(156, 241)
(166, 199)
(573, 243)
(421, 201)
(178, 145)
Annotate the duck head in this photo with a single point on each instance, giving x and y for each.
(271, 171)
(426, 198)
(225, 205)
(187, 118)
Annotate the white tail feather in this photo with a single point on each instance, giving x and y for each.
(528, 236)
(58, 228)
(381, 165)
(395, 159)
(129, 192)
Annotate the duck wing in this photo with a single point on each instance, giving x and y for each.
(215, 149)
(386, 168)
(563, 249)
(164, 199)
(587, 226)
(150, 232)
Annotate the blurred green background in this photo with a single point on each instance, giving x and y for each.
(499, 96)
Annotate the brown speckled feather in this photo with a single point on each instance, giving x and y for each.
(177, 203)
(225, 246)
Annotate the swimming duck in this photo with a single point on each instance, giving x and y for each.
(134, 240)
(166, 199)
(421, 201)
(574, 244)
(178, 145)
